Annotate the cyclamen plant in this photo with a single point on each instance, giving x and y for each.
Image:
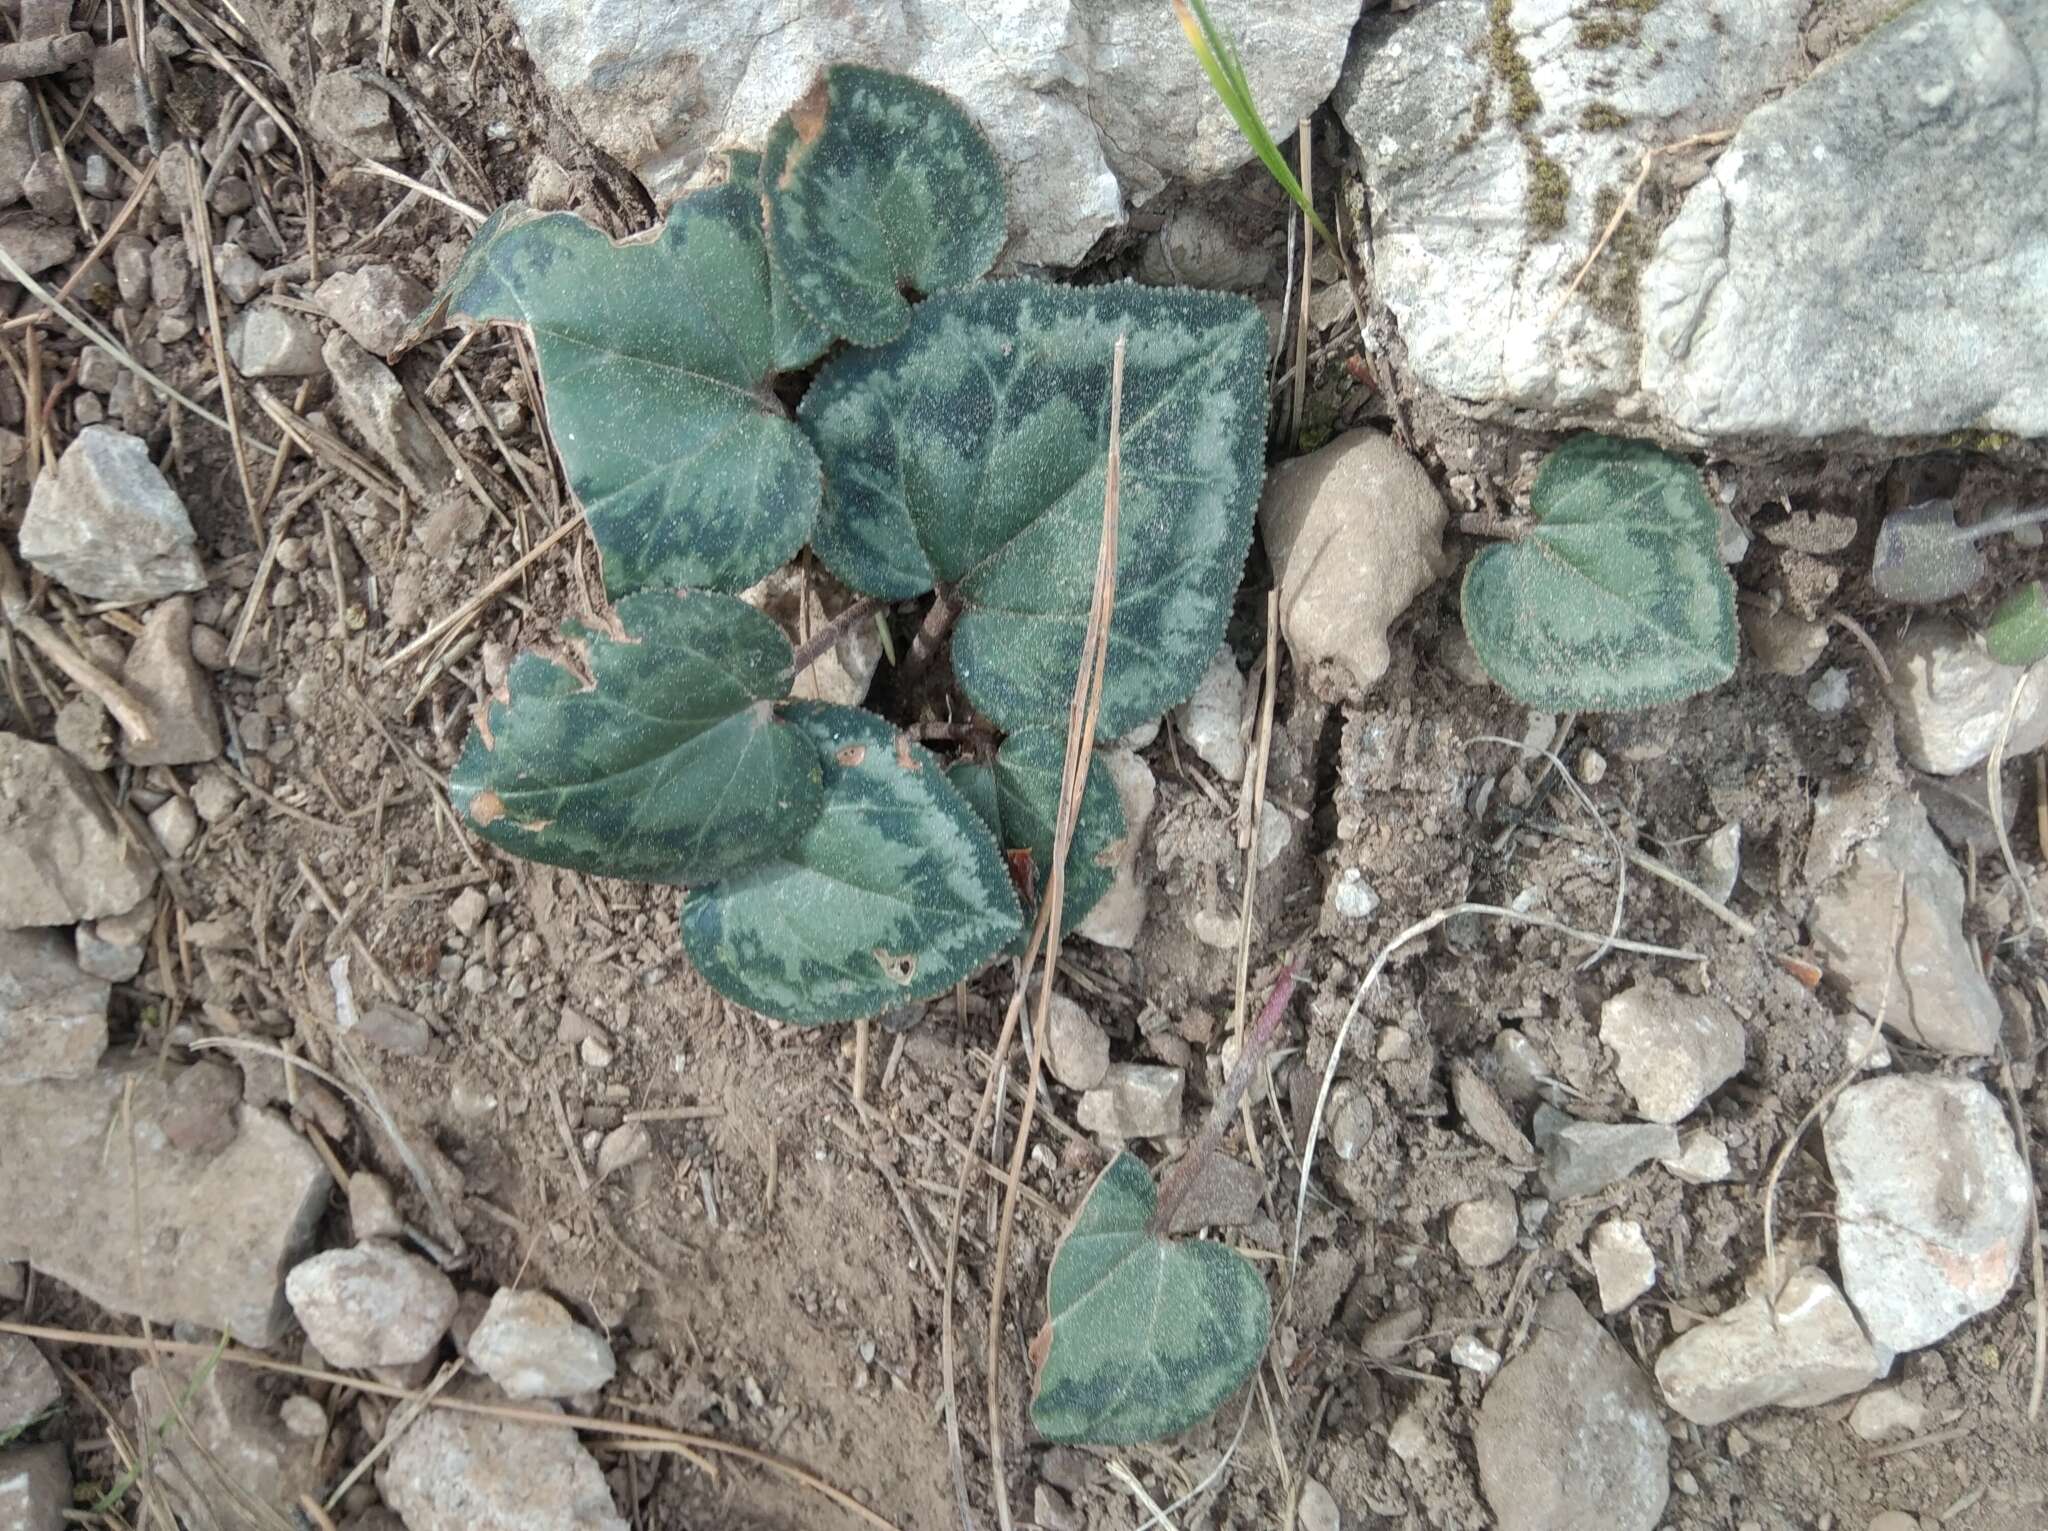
(952, 443)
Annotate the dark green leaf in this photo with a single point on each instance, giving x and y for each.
(667, 763)
(799, 339)
(1617, 597)
(894, 894)
(1018, 798)
(997, 492)
(874, 183)
(655, 356)
(2018, 634)
(1149, 1335)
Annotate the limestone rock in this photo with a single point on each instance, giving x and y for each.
(1702, 1159)
(1622, 1262)
(1487, 1117)
(1865, 255)
(268, 341)
(351, 112)
(28, 1387)
(35, 1488)
(532, 1347)
(1889, 1413)
(374, 402)
(1937, 997)
(222, 1227)
(113, 947)
(372, 1209)
(230, 1429)
(1568, 1435)
(1519, 133)
(1225, 1193)
(1077, 1047)
(1483, 1229)
(1134, 1100)
(1931, 1204)
(373, 1305)
(17, 146)
(108, 525)
(1742, 1360)
(1212, 720)
(176, 825)
(1672, 1049)
(53, 1016)
(173, 690)
(1120, 913)
(66, 858)
(468, 1472)
(1355, 532)
(1580, 1158)
(1951, 698)
(1089, 105)
(374, 304)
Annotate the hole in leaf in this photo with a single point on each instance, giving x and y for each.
(899, 968)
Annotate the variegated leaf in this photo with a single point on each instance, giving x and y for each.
(656, 355)
(894, 894)
(874, 183)
(1018, 798)
(997, 493)
(1616, 598)
(799, 339)
(665, 762)
(1147, 1335)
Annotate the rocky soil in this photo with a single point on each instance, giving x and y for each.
(353, 1175)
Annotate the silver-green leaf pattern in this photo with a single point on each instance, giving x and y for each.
(652, 752)
(655, 356)
(1616, 598)
(972, 451)
(894, 894)
(799, 339)
(1148, 1335)
(1018, 798)
(873, 183)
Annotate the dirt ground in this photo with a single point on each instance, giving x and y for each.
(766, 1273)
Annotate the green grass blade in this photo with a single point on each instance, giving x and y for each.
(1219, 60)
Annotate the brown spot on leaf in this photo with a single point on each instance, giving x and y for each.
(535, 826)
(898, 968)
(1022, 874)
(1112, 853)
(852, 755)
(904, 758)
(1041, 1347)
(486, 808)
(807, 117)
(480, 719)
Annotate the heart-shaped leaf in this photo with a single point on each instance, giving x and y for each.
(1616, 598)
(799, 339)
(1146, 1335)
(1018, 798)
(655, 355)
(894, 894)
(2018, 634)
(665, 762)
(874, 183)
(997, 493)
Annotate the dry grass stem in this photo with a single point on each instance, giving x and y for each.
(1627, 205)
(1255, 789)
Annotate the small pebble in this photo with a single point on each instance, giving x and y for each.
(303, 1416)
(1483, 1229)
(596, 1053)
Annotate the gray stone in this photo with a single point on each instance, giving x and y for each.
(240, 276)
(1810, 1351)
(65, 856)
(107, 524)
(1203, 245)
(374, 304)
(351, 112)
(199, 1112)
(468, 1472)
(17, 147)
(1783, 642)
(1482, 1230)
(1487, 1117)
(83, 732)
(1927, 987)
(217, 1230)
(532, 1347)
(1090, 104)
(1702, 1159)
(394, 1030)
(33, 242)
(373, 1305)
(225, 1446)
(1355, 532)
(1318, 1508)
(53, 1016)
(467, 909)
(113, 947)
(35, 1488)
(1866, 254)
(1672, 1050)
(28, 1387)
(1077, 1048)
(1212, 720)
(1119, 914)
(1931, 1204)
(1718, 862)
(13, 1281)
(268, 341)
(1135, 1100)
(1889, 1413)
(1481, 220)
(1580, 1158)
(170, 276)
(374, 401)
(176, 825)
(372, 1209)
(215, 795)
(173, 690)
(1623, 1265)
(1569, 1436)
(1225, 1194)
(1951, 699)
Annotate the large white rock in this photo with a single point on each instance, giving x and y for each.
(108, 525)
(1672, 1049)
(1951, 698)
(465, 1472)
(1930, 1204)
(1868, 254)
(1088, 103)
(373, 1305)
(53, 1015)
(532, 1347)
(1810, 1351)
